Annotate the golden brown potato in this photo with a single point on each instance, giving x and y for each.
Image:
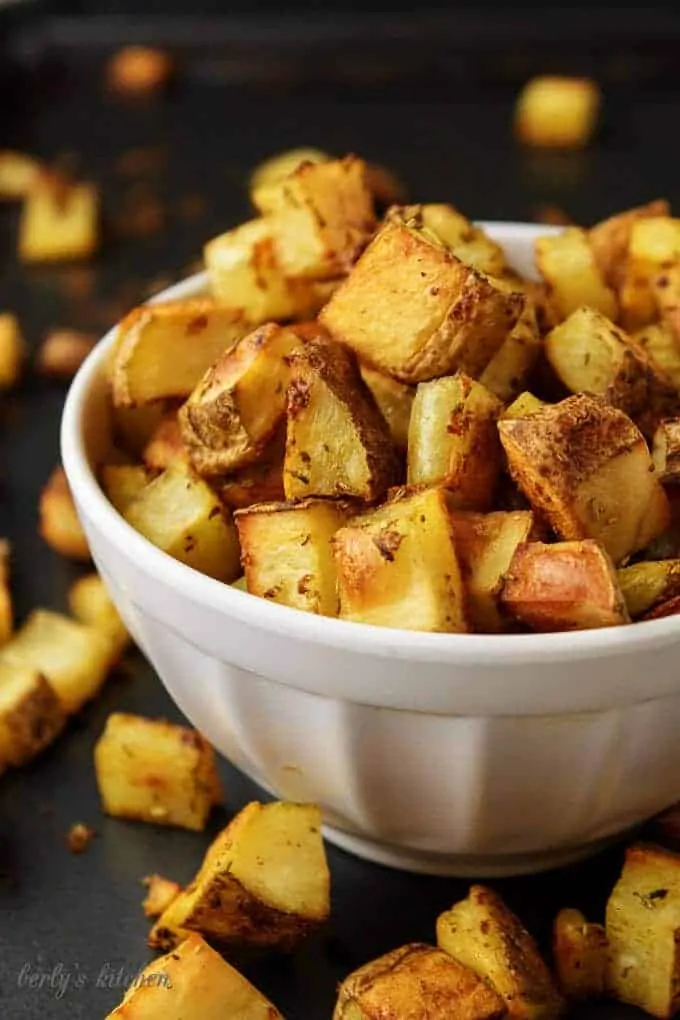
(526, 403)
(264, 881)
(6, 606)
(453, 440)
(276, 168)
(18, 174)
(153, 771)
(337, 441)
(59, 221)
(486, 544)
(165, 445)
(413, 310)
(179, 513)
(160, 894)
(413, 982)
(484, 935)
(163, 350)
(567, 264)
(133, 426)
(193, 983)
(321, 216)
(513, 362)
(666, 450)
(31, 714)
(59, 523)
(62, 353)
(580, 955)
(456, 232)
(74, 657)
(586, 467)
(12, 351)
(287, 555)
(643, 929)
(137, 71)
(122, 482)
(610, 239)
(90, 603)
(260, 482)
(666, 290)
(644, 585)
(653, 247)
(398, 566)
(557, 112)
(394, 400)
(661, 347)
(238, 405)
(563, 586)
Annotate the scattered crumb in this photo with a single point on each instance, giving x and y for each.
(139, 71)
(79, 837)
(141, 162)
(162, 891)
(553, 215)
(63, 352)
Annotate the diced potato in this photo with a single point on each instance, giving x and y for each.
(653, 247)
(261, 482)
(484, 935)
(646, 584)
(337, 441)
(453, 440)
(12, 351)
(563, 586)
(275, 169)
(31, 714)
(666, 451)
(63, 352)
(163, 350)
(398, 566)
(463, 238)
(567, 264)
(610, 239)
(134, 426)
(6, 606)
(413, 310)
(414, 982)
(238, 405)
(137, 71)
(18, 174)
(74, 657)
(586, 467)
(286, 552)
(557, 112)
(394, 400)
(59, 221)
(122, 482)
(193, 983)
(153, 771)
(486, 544)
(264, 881)
(90, 602)
(580, 954)
(526, 403)
(321, 216)
(165, 445)
(643, 929)
(513, 362)
(59, 523)
(666, 290)
(179, 513)
(160, 894)
(662, 349)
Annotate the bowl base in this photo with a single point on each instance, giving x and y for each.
(461, 865)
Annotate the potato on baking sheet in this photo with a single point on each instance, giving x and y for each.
(165, 444)
(663, 350)
(240, 402)
(59, 523)
(31, 714)
(90, 602)
(13, 351)
(643, 930)
(287, 555)
(160, 894)
(666, 451)
(154, 771)
(654, 247)
(580, 951)
(162, 350)
(453, 440)
(586, 467)
(398, 565)
(610, 239)
(264, 881)
(568, 266)
(646, 584)
(554, 111)
(122, 482)
(394, 400)
(193, 983)
(62, 353)
(59, 221)
(338, 444)
(413, 310)
(482, 933)
(414, 982)
(18, 173)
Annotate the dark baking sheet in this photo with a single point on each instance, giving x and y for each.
(71, 928)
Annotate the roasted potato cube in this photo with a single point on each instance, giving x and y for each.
(666, 289)
(666, 450)
(662, 349)
(261, 482)
(653, 248)
(567, 264)
(337, 441)
(59, 523)
(133, 427)
(286, 552)
(557, 112)
(163, 350)
(394, 400)
(321, 217)
(153, 771)
(90, 603)
(165, 445)
(513, 362)
(59, 221)
(580, 955)
(453, 440)
(484, 935)
(193, 983)
(122, 482)
(643, 929)
(137, 71)
(73, 657)
(610, 239)
(6, 607)
(486, 544)
(463, 238)
(31, 714)
(63, 352)
(240, 402)
(525, 404)
(179, 513)
(12, 351)
(398, 566)
(276, 168)
(586, 467)
(563, 586)
(18, 174)
(413, 310)
(644, 585)
(161, 892)
(264, 882)
(413, 982)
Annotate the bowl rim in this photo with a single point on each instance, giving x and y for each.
(367, 639)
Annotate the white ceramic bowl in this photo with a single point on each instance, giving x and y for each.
(443, 753)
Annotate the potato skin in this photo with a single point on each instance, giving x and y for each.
(31, 715)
